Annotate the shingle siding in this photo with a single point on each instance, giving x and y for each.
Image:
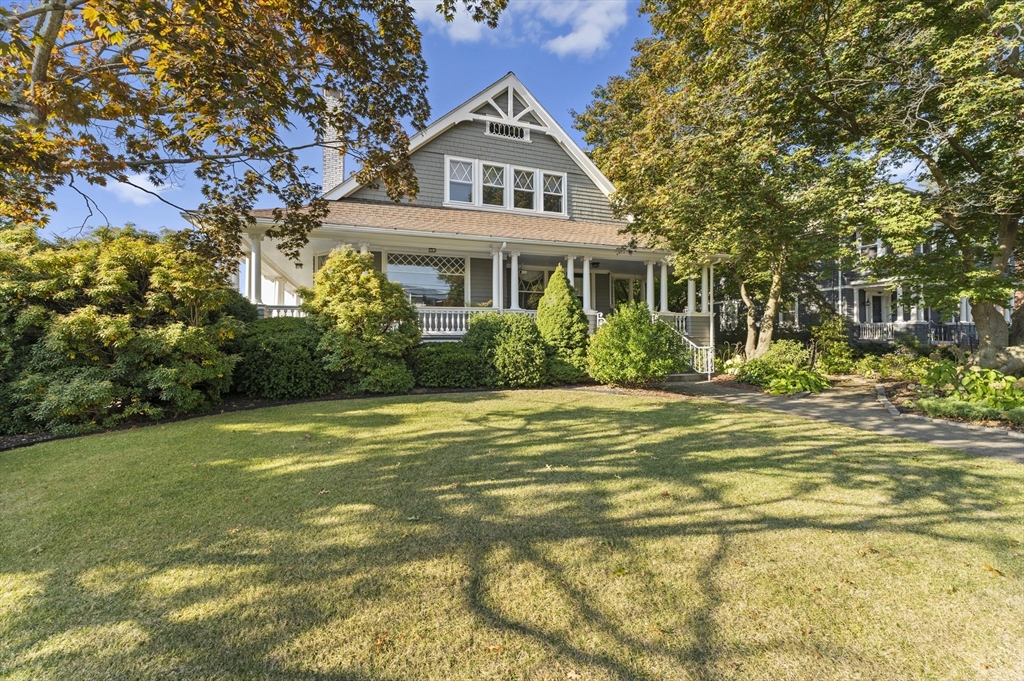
(480, 282)
(585, 201)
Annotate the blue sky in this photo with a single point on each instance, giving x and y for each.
(560, 49)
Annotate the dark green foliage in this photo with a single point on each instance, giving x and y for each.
(240, 308)
(386, 376)
(367, 323)
(513, 352)
(834, 354)
(117, 326)
(447, 365)
(280, 362)
(630, 349)
(786, 364)
(564, 328)
(519, 357)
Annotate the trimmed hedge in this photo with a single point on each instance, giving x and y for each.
(564, 328)
(513, 352)
(447, 365)
(280, 361)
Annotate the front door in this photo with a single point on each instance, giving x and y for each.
(876, 309)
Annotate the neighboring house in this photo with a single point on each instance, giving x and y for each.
(505, 196)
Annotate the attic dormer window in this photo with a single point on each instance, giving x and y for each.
(515, 132)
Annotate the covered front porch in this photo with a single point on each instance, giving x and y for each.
(452, 277)
(884, 314)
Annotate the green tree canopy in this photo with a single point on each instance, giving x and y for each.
(926, 97)
(99, 90)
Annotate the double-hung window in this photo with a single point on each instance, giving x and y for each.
(460, 181)
(523, 189)
(554, 193)
(494, 185)
(501, 186)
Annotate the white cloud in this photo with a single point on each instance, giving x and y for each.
(131, 193)
(591, 24)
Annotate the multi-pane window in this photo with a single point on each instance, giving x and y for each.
(554, 192)
(460, 181)
(494, 185)
(523, 189)
(432, 280)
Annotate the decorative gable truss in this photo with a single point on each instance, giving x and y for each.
(510, 111)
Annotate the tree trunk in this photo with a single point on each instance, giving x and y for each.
(994, 350)
(751, 344)
(771, 310)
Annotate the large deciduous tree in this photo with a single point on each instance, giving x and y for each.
(95, 91)
(929, 94)
(701, 169)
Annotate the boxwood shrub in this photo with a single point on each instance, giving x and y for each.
(513, 352)
(632, 350)
(280, 362)
(447, 365)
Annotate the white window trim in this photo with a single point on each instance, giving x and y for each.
(478, 178)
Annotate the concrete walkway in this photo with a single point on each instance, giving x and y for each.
(856, 406)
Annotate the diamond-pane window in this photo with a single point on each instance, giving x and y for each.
(460, 181)
(522, 194)
(494, 186)
(433, 280)
(553, 194)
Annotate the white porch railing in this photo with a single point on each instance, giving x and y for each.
(454, 321)
(268, 311)
(679, 321)
(701, 358)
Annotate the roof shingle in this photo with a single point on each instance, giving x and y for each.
(498, 225)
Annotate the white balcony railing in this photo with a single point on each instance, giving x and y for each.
(268, 311)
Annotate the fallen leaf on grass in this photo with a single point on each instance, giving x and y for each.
(844, 580)
(815, 588)
(666, 495)
(866, 550)
(807, 631)
(494, 649)
(992, 569)
(413, 518)
(234, 530)
(739, 562)
(322, 491)
(381, 641)
(573, 675)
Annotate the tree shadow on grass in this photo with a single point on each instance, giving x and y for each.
(312, 542)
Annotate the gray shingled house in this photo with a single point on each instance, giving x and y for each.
(505, 196)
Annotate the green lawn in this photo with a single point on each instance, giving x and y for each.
(521, 535)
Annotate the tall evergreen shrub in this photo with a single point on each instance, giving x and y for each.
(368, 324)
(564, 328)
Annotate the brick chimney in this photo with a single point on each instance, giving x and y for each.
(334, 160)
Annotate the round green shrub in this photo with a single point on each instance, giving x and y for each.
(280, 361)
(513, 351)
(447, 365)
(630, 349)
(564, 328)
(386, 376)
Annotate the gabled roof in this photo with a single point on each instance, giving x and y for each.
(507, 101)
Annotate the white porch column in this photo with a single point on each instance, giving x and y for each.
(899, 304)
(495, 280)
(570, 261)
(963, 310)
(970, 311)
(587, 302)
(856, 306)
(704, 289)
(691, 296)
(257, 269)
(279, 291)
(796, 311)
(886, 305)
(664, 287)
(364, 248)
(515, 282)
(630, 289)
(650, 285)
(234, 276)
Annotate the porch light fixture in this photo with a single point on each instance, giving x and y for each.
(431, 250)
